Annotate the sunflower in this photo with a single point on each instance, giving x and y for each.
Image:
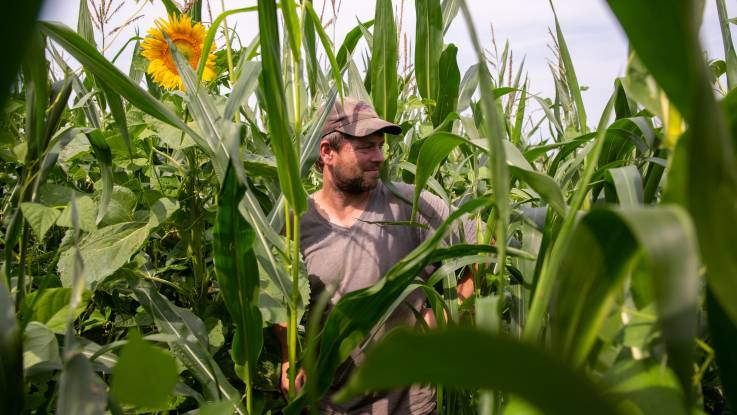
(188, 40)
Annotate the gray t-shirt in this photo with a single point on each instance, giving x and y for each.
(347, 259)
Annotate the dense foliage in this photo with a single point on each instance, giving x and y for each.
(150, 236)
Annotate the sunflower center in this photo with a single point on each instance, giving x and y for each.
(186, 49)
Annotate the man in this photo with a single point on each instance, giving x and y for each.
(345, 249)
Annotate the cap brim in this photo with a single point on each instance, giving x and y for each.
(362, 128)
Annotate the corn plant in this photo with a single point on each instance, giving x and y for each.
(151, 219)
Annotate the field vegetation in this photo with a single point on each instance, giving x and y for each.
(150, 233)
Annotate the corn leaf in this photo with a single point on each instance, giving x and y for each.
(237, 274)
(16, 27)
(446, 100)
(105, 158)
(11, 356)
(349, 43)
(570, 73)
(596, 261)
(628, 183)
(275, 104)
(328, 48)
(81, 391)
(450, 10)
(383, 67)
(84, 23)
(724, 336)
(664, 34)
(480, 360)
(428, 44)
(189, 344)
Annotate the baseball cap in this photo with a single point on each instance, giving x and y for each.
(356, 118)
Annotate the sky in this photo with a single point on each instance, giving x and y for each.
(595, 40)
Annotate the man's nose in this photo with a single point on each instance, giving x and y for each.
(378, 155)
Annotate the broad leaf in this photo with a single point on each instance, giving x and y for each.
(39, 346)
(50, 306)
(144, 376)
(40, 217)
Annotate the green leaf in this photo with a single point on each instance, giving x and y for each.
(171, 7)
(81, 391)
(480, 360)
(428, 45)
(434, 149)
(244, 87)
(118, 111)
(104, 251)
(383, 67)
(628, 182)
(39, 346)
(237, 274)
(35, 71)
(494, 125)
(17, 26)
(446, 100)
(328, 48)
(349, 44)
(189, 344)
(84, 23)
(11, 357)
(724, 336)
(107, 249)
(570, 73)
(291, 22)
(595, 263)
(665, 36)
(105, 158)
(210, 36)
(40, 217)
(275, 105)
(144, 376)
(469, 84)
(50, 306)
(541, 183)
(652, 388)
(120, 209)
(450, 10)
(86, 210)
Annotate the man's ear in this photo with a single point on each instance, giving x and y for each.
(326, 151)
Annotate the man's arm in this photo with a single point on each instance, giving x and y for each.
(464, 289)
(280, 331)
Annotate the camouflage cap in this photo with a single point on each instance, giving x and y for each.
(356, 118)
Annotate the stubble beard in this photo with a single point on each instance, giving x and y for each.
(353, 185)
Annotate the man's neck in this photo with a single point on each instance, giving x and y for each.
(340, 207)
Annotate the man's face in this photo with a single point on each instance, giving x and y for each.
(355, 168)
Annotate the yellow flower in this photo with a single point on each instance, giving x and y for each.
(188, 40)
